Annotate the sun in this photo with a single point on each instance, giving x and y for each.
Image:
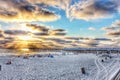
(23, 42)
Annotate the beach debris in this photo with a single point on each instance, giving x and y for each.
(9, 62)
(18, 56)
(39, 55)
(25, 57)
(105, 58)
(110, 57)
(83, 70)
(102, 60)
(0, 67)
(51, 56)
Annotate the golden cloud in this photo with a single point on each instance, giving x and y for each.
(34, 36)
(23, 11)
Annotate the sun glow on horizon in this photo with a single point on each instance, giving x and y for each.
(25, 49)
(25, 37)
(24, 41)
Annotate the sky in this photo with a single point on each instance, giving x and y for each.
(59, 24)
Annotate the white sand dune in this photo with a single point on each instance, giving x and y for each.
(67, 67)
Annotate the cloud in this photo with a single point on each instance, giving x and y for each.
(102, 39)
(32, 36)
(39, 28)
(44, 30)
(23, 11)
(113, 43)
(90, 42)
(116, 23)
(72, 38)
(41, 36)
(108, 28)
(1, 34)
(91, 28)
(114, 29)
(93, 9)
(63, 4)
(5, 41)
(37, 10)
(15, 32)
(80, 42)
(114, 34)
(84, 9)
(58, 32)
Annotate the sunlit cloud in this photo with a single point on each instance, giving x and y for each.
(93, 9)
(116, 23)
(114, 34)
(108, 28)
(44, 37)
(114, 30)
(26, 34)
(32, 36)
(23, 11)
(83, 9)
